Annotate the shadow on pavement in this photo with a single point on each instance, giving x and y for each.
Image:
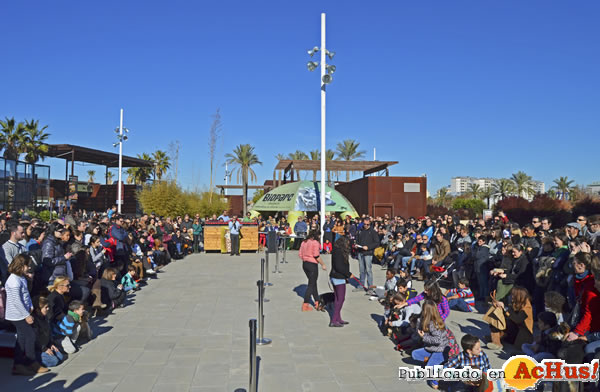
(39, 383)
(300, 290)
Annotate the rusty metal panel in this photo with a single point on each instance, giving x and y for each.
(405, 196)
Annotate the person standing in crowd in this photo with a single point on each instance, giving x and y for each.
(234, 232)
(12, 247)
(118, 233)
(300, 229)
(339, 275)
(310, 254)
(197, 232)
(366, 242)
(224, 217)
(18, 311)
(53, 255)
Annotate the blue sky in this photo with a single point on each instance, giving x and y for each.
(445, 88)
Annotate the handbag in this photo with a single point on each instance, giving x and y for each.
(495, 316)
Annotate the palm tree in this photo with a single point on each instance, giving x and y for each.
(551, 193)
(487, 194)
(442, 196)
(12, 135)
(91, 174)
(33, 143)
(522, 183)
(563, 186)
(315, 155)
(35, 148)
(161, 163)
(109, 177)
(244, 157)
(281, 157)
(131, 175)
(298, 156)
(503, 188)
(347, 150)
(474, 190)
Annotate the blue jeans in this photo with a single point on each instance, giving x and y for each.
(528, 350)
(434, 359)
(365, 264)
(48, 360)
(459, 304)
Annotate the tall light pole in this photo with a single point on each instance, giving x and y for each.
(326, 72)
(120, 139)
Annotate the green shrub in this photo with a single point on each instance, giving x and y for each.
(32, 214)
(475, 206)
(166, 198)
(45, 215)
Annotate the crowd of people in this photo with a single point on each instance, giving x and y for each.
(55, 277)
(536, 285)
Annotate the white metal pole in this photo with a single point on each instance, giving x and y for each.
(323, 151)
(119, 196)
(226, 178)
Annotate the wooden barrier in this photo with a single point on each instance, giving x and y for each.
(214, 237)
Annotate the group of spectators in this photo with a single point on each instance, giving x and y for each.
(537, 284)
(55, 277)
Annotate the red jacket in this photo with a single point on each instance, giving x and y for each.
(589, 298)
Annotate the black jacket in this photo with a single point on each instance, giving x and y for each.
(53, 256)
(110, 294)
(43, 338)
(368, 238)
(340, 267)
(58, 307)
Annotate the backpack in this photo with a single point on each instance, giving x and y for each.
(453, 348)
(543, 276)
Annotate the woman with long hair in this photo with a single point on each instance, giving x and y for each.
(18, 311)
(339, 275)
(432, 330)
(519, 320)
(56, 299)
(310, 254)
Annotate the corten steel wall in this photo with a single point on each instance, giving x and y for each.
(379, 195)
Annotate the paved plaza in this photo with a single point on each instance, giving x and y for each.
(188, 331)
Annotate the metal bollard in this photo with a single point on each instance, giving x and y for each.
(276, 270)
(283, 260)
(266, 276)
(262, 278)
(261, 340)
(252, 386)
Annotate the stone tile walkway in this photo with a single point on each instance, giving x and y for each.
(188, 331)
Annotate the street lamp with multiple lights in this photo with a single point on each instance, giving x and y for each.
(326, 78)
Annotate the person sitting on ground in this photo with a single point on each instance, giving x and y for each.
(519, 321)
(433, 292)
(389, 285)
(113, 295)
(69, 329)
(128, 280)
(399, 316)
(404, 287)
(471, 355)
(56, 299)
(549, 341)
(46, 348)
(435, 339)
(461, 298)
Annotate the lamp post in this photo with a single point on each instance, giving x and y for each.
(120, 139)
(326, 78)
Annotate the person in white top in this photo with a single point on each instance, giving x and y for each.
(18, 312)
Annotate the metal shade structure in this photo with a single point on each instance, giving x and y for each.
(90, 155)
(303, 196)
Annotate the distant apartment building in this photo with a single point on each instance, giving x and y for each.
(593, 189)
(460, 185)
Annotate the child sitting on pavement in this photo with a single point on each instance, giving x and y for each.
(389, 285)
(404, 287)
(72, 327)
(471, 355)
(399, 318)
(461, 298)
(46, 351)
(128, 280)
